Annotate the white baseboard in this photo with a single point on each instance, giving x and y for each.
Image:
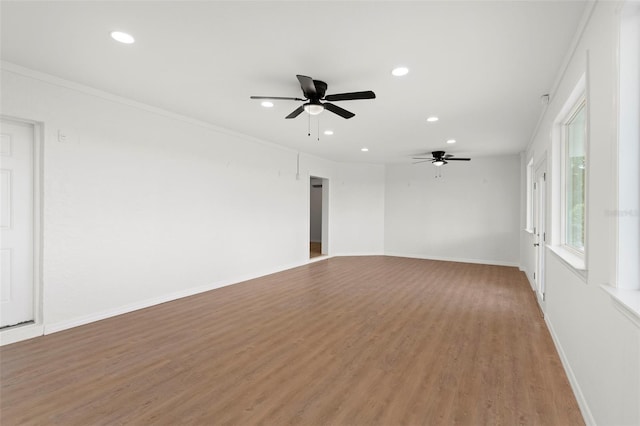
(577, 391)
(75, 322)
(529, 279)
(20, 333)
(359, 254)
(319, 258)
(455, 259)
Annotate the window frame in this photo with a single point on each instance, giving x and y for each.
(576, 261)
(578, 105)
(529, 195)
(627, 272)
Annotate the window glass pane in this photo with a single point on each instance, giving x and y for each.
(575, 179)
(530, 195)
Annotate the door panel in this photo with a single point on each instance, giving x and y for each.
(540, 230)
(16, 222)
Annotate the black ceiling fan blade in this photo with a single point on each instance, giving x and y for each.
(423, 158)
(458, 159)
(421, 161)
(337, 110)
(351, 96)
(296, 112)
(308, 86)
(278, 98)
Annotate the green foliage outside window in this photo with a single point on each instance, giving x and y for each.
(575, 179)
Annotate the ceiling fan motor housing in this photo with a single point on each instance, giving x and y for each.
(321, 89)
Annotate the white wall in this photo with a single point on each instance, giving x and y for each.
(141, 206)
(359, 229)
(471, 213)
(600, 347)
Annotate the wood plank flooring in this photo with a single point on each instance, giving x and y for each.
(315, 250)
(343, 341)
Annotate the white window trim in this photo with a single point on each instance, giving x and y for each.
(627, 275)
(626, 301)
(625, 292)
(572, 258)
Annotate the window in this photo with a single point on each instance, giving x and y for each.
(570, 141)
(627, 281)
(529, 221)
(573, 197)
(627, 213)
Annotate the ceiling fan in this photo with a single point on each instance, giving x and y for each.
(314, 92)
(439, 158)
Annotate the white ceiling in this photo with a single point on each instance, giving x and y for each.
(480, 66)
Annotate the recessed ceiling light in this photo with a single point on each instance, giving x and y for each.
(328, 132)
(364, 149)
(400, 71)
(451, 141)
(122, 37)
(432, 119)
(267, 104)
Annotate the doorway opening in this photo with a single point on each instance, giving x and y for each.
(318, 216)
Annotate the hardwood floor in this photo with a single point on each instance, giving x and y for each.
(315, 250)
(343, 341)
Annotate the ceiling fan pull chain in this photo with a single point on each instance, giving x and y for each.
(318, 129)
(309, 125)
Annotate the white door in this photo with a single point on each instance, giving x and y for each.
(540, 230)
(16, 220)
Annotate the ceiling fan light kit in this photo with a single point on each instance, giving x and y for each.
(313, 108)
